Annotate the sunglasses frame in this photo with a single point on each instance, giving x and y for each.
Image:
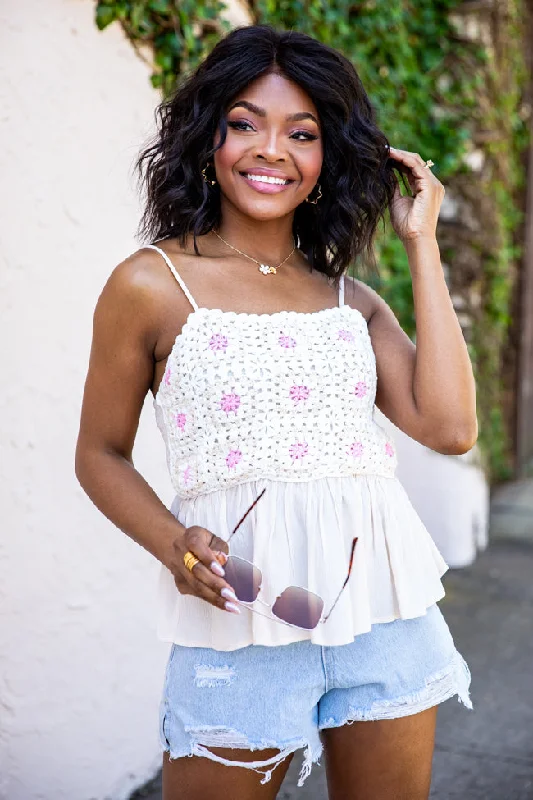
(271, 605)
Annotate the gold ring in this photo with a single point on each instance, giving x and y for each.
(189, 559)
(429, 164)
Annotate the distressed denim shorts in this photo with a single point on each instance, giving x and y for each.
(260, 697)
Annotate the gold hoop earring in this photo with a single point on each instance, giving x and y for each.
(317, 198)
(206, 179)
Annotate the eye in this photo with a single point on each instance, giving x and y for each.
(303, 136)
(240, 125)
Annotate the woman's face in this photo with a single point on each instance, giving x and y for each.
(272, 156)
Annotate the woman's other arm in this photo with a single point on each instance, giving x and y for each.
(126, 325)
(119, 377)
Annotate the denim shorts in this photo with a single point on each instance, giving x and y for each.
(260, 697)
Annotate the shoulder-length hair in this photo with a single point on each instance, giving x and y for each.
(357, 182)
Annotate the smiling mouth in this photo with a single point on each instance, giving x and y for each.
(268, 179)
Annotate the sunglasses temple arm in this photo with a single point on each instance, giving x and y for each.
(345, 582)
(238, 525)
(271, 616)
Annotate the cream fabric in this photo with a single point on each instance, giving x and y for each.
(286, 401)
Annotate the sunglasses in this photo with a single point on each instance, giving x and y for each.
(295, 606)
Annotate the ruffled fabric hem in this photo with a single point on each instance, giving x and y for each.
(300, 534)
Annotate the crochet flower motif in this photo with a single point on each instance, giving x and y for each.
(187, 475)
(298, 450)
(356, 449)
(298, 393)
(230, 402)
(389, 449)
(181, 419)
(286, 341)
(166, 376)
(218, 342)
(346, 336)
(360, 389)
(233, 458)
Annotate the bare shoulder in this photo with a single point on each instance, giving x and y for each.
(362, 297)
(133, 303)
(141, 284)
(139, 277)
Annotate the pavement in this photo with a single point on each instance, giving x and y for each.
(487, 753)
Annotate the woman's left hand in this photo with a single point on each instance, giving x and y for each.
(416, 217)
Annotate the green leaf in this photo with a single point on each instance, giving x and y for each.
(105, 15)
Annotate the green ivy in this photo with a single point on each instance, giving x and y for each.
(425, 83)
(180, 35)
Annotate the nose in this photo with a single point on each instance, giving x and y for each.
(271, 147)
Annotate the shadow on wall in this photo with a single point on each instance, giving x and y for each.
(450, 494)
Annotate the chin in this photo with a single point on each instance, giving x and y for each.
(265, 212)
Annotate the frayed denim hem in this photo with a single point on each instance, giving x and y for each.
(453, 680)
(219, 736)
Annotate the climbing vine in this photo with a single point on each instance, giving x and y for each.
(178, 35)
(447, 79)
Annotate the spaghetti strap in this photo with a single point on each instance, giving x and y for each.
(341, 291)
(176, 274)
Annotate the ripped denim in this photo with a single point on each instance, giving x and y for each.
(260, 697)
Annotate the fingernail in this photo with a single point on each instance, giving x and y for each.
(225, 592)
(232, 607)
(217, 569)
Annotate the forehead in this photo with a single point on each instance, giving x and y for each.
(274, 92)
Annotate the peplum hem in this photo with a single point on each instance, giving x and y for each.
(301, 534)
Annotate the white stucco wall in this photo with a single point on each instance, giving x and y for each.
(80, 666)
(450, 494)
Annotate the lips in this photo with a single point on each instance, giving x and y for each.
(266, 181)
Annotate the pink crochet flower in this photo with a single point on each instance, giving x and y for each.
(230, 402)
(298, 393)
(181, 419)
(389, 449)
(187, 475)
(166, 376)
(233, 458)
(298, 450)
(360, 389)
(356, 449)
(218, 342)
(346, 336)
(286, 341)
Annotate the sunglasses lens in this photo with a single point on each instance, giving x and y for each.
(244, 577)
(299, 607)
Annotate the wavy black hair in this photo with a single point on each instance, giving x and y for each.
(357, 180)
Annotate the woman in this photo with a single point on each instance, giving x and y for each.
(267, 178)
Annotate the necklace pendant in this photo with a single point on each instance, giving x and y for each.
(265, 269)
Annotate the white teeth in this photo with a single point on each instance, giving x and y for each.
(266, 179)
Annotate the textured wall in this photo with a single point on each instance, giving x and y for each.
(80, 666)
(450, 494)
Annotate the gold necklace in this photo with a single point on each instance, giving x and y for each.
(263, 268)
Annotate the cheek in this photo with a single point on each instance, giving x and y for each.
(310, 164)
(228, 155)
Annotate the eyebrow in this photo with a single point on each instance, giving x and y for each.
(262, 113)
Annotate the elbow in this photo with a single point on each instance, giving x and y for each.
(79, 464)
(456, 440)
(91, 460)
(85, 463)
